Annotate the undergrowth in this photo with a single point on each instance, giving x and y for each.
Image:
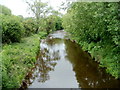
(18, 58)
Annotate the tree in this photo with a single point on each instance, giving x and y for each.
(95, 26)
(54, 12)
(39, 9)
(5, 10)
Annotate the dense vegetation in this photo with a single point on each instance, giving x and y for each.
(12, 29)
(95, 26)
(20, 39)
(18, 58)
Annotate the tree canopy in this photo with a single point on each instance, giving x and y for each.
(4, 10)
(95, 26)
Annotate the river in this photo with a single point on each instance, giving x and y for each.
(61, 63)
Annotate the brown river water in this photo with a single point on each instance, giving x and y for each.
(61, 63)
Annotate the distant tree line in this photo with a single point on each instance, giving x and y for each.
(15, 27)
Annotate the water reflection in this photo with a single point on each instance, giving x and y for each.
(70, 65)
(88, 74)
(51, 51)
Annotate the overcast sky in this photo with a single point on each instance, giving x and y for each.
(19, 7)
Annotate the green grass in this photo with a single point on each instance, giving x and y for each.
(17, 59)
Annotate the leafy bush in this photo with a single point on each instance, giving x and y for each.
(30, 26)
(95, 27)
(50, 24)
(42, 34)
(53, 23)
(58, 23)
(17, 59)
(12, 29)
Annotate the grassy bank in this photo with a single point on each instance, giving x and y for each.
(17, 59)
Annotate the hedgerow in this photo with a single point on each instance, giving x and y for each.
(95, 26)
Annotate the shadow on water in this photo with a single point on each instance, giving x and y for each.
(63, 64)
(88, 74)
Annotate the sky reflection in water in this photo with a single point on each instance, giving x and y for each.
(62, 64)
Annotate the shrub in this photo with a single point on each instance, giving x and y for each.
(53, 22)
(30, 26)
(58, 24)
(17, 59)
(12, 29)
(95, 27)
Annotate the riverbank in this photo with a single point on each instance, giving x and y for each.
(63, 64)
(106, 55)
(18, 58)
(96, 33)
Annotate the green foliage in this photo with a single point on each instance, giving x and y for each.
(30, 26)
(58, 23)
(5, 10)
(95, 26)
(17, 59)
(42, 34)
(39, 10)
(46, 18)
(54, 22)
(50, 24)
(12, 29)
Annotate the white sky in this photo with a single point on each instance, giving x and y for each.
(19, 7)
